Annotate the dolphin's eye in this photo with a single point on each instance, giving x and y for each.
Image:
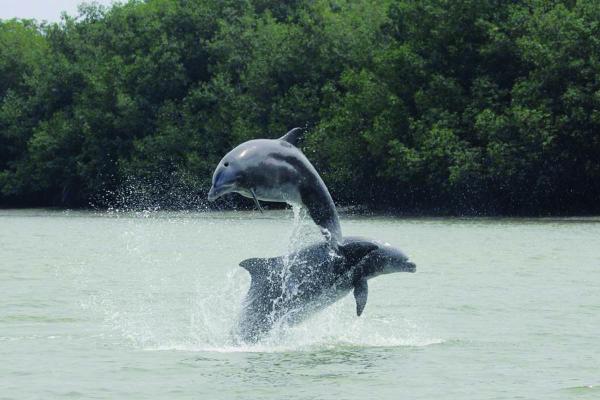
(226, 164)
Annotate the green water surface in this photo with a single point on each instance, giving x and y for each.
(139, 306)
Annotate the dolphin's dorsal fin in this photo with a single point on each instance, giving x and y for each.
(361, 292)
(293, 136)
(258, 267)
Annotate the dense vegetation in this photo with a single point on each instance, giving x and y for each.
(460, 106)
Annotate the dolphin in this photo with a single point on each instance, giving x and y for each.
(288, 289)
(276, 170)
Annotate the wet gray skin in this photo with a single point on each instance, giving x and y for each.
(276, 170)
(288, 289)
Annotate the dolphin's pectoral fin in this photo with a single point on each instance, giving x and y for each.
(258, 267)
(293, 136)
(354, 252)
(256, 201)
(361, 291)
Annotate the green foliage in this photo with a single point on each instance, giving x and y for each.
(433, 106)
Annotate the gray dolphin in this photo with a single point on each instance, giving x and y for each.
(290, 288)
(276, 170)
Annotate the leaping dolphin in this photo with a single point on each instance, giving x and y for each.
(290, 288)
(276, 170)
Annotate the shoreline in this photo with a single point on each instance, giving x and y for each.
(344, 212)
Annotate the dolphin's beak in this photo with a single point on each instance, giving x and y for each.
(216, 192)
(212, 195)
(410, 267)
(401, 266)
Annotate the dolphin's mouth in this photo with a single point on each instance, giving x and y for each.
(216, 192)
(409, 267)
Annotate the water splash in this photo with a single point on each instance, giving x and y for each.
(165, 303)
(162, 191)
(335, 326)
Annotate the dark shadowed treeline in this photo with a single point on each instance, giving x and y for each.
(462, 106)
